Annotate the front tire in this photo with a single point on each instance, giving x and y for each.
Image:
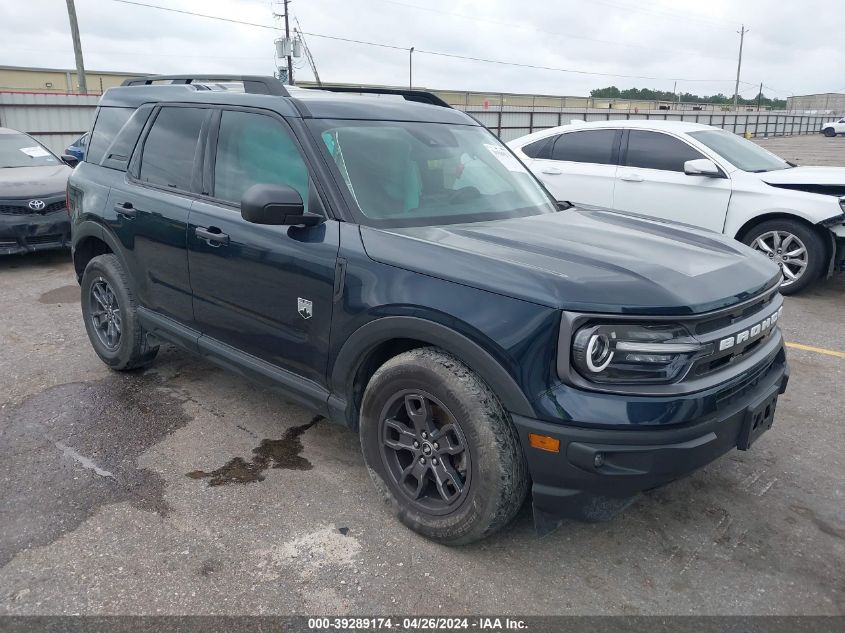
(829, 132)
(110, 314)
(795, 247)
(440, 448)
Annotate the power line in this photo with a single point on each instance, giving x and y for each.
(425, 52)
(564, 70)
(511, 25)
(710, 22)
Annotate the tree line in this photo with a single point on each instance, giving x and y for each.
(647, 94)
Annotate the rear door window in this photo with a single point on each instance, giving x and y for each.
(108, 124)
(589, 146)
(171, 154)
(653, 150)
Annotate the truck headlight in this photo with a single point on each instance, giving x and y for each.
(633, 353)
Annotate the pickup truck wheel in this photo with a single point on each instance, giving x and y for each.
(440, 448)
(796, 248)
(109, 311)
(829, 132)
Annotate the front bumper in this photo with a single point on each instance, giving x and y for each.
(34, 232)
(597, 472)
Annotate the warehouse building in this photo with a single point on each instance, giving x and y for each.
(830, 102)
(58, 80)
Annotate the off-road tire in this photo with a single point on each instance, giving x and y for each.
(499, 478)
(817, 252)
(132, 349)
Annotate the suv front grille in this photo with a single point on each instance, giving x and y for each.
(735, 315)
(728, 324)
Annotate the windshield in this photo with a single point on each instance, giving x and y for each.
(20, 150)
(740, 152)
(420, 174)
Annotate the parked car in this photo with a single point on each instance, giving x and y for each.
(387, 262)
(701, 176)
(33, 213)
(77, 148)
(832, 128)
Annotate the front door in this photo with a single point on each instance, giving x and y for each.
(651, 181)
(263, 290)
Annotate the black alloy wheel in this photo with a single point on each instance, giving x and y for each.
(105, 313)
(425, 452)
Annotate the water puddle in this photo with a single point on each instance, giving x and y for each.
(64, 294)
(282, 453)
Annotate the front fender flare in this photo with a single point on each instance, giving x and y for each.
(366, 338)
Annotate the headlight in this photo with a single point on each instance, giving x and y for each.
(633, 353)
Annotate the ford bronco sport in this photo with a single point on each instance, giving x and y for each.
(386, 261)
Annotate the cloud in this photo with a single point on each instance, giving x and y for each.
(793, 48)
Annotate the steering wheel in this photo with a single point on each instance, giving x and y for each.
(464, 194)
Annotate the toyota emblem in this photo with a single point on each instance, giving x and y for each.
(37, 205)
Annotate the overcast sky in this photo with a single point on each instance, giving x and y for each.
(793, 47)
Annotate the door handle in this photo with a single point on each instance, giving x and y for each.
(212, 235)
(126, 209)
(552, 171)
(631, 178)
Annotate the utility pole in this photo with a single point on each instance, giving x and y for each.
(759, 96)
(411, 68)
(289, 44)
(742, 33)
(77, 47)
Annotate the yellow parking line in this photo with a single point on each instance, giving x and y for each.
(817, 350)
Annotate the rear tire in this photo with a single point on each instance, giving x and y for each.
(797, 248)
(441, 449)
(829, 132)
(109, 311)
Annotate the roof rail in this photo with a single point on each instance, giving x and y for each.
(253, 84)
(420, 96)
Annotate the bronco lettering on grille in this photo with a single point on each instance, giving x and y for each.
(746, 335)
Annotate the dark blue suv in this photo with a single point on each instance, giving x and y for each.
(384, 260)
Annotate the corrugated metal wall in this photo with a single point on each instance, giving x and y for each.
(54, 119)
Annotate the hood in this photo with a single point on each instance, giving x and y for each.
(805, 176)
(590, 260)
(33, 182)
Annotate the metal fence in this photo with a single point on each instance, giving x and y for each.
(510, 123)
(57, 119)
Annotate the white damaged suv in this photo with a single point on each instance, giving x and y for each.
(702, 176)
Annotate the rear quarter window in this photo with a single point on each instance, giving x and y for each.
(108, 124)
(539, 149)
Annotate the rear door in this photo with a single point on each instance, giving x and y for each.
(651, 181)
(263, 290)
(580, 166)
(150, 208)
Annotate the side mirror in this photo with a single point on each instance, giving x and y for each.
(702, 167)
(70, 160)
(276, 205)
